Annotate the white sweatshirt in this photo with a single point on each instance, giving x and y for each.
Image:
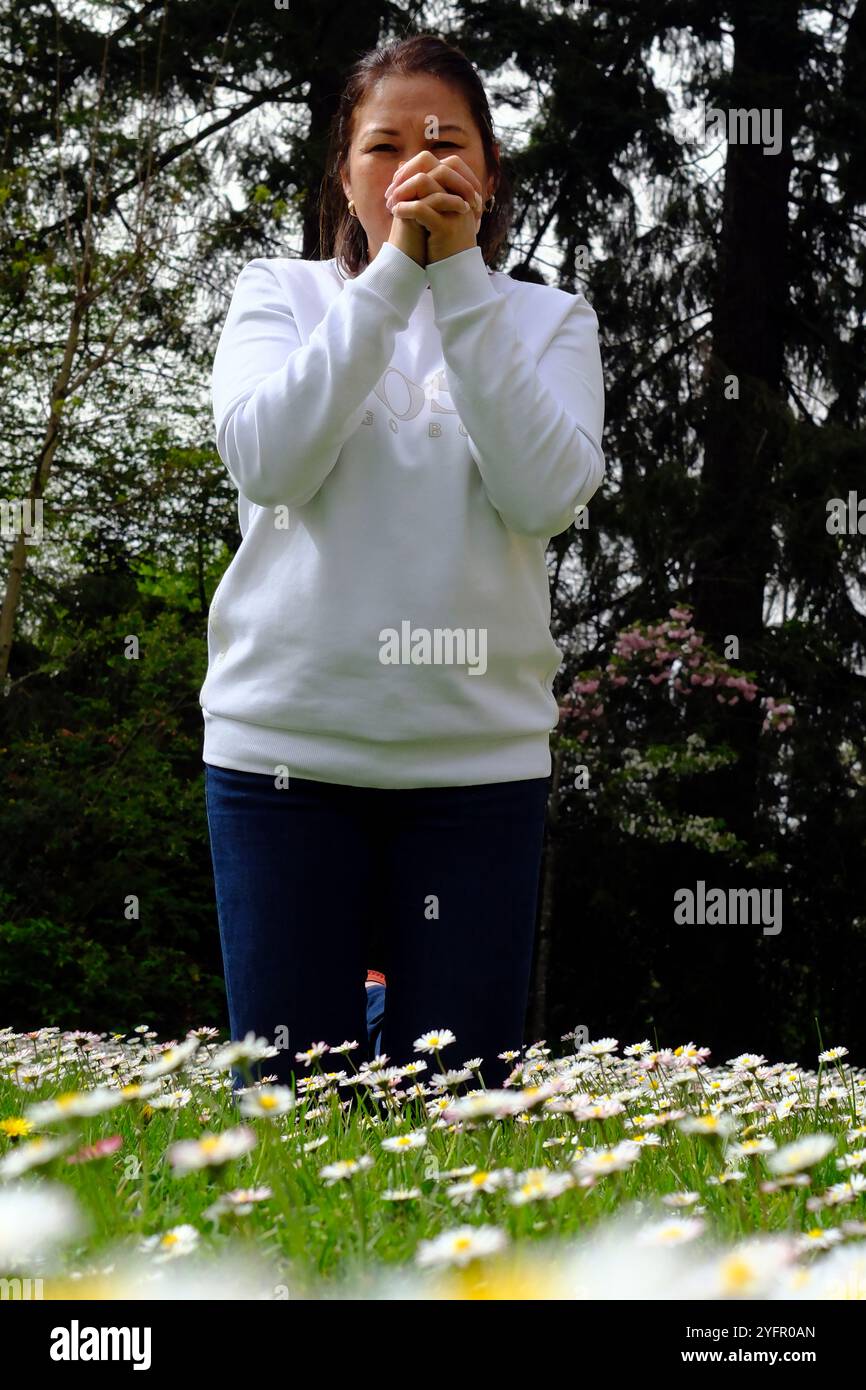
(403, 452)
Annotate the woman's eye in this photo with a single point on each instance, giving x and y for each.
(390, 147)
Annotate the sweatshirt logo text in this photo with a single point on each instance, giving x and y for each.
(404, 400)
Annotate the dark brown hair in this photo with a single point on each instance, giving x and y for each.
(340, 234)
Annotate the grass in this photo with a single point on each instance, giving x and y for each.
(129, 1168)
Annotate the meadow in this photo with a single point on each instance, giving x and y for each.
(131, 1168)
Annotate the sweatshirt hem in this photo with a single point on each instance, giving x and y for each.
(430, 762)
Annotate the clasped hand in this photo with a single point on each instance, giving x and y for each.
(443, 196)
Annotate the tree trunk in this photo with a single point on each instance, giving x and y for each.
(538, 1001)
(15, 577)
(359, 27)
(742, 438)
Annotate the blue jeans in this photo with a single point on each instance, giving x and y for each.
(452, 874)
(375, 1015)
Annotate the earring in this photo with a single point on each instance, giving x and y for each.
(352, 212)
(490, 204)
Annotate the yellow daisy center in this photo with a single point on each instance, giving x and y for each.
(736, 1273)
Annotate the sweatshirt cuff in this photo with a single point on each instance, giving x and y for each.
(396, 278)
(460, 282)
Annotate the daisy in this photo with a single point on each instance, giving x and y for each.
(794, 1180)
(434, 1040)
(832, 1054)
(643, 1121)
(450, 1078)
(172, 1059)
(101, 1149)
(707, 1124)
(415, 1140)
(454, 1173)
(671, 1232)
(345, 1168)
(819, 1238)
(143, 1091)
(784, 1107)
(180, 1240)
(172, 1100)
(461, 1245)
(313, 1051)
(746, 1061)
(252, 1049)
(211, 1150)
(596, 1162)
(749, 1270)
(376, 1063)
(841, 1275)
(840, 1192)
(759, 1145)
(267, 1100)
(531, 1096)
(312, 1143)
(488, 1103)
(482, 1180)
(680, 1199)
(413, 1068)
(400, 1194)
(833, 1093)
(240, 1201)
(72, 1104)
(855, 1159)
(538, 1183)
(683, 1076)
(603, 1110)
(26, 1156)
(598, 1049)
(803, 1153)
(34, 1218)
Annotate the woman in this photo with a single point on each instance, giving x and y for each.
(407, 427)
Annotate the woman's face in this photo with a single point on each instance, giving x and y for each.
(392, 124)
